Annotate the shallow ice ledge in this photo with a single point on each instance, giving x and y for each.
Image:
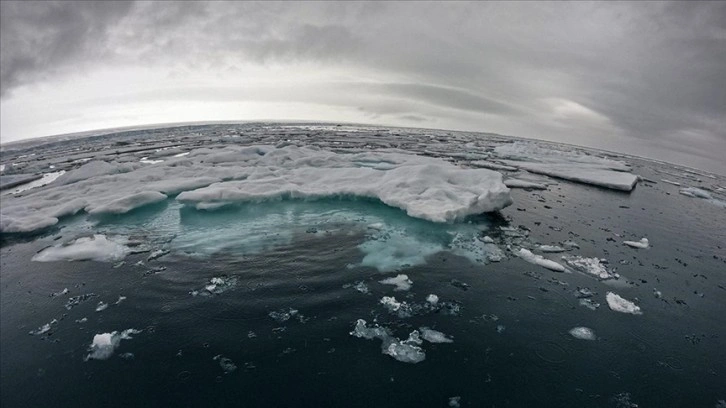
(423, 187)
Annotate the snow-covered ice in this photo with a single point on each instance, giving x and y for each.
(590, 266)
(619, 304)
(568, 165)
(528, 256)
(96, 248)
(103, 345)
(434, 336)
(583, 333)
(642, 244)
(400, 281)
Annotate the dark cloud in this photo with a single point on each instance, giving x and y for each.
(642, 70)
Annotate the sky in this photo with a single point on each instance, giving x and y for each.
(644, 78)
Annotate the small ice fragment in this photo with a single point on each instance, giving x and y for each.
(83, 320)
(589, 303)
(432, 299)
(406, 351)
(434, 336)
(618, 304)
(402, 309)
(488, 240)
(583, 333)
(120, 299)
(590, 266)
(401, 281)
(104, 344)
(157, 254)
(101, 306)
(43, 329)
(528, 256)
(61, 293)
(361, 287)
(227, 364)
(657, 294)
(643, 243)
(551, 248)
(500, 329)
(670, 182)
(455, 402)
(571, 245)
(283, 315)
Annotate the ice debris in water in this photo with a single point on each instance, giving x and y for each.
(551, 248)
(96, 248)
(406, 351)
(476, 249)
(43, 329)
(643, 243)
(517, 183)
(401, 282)
(61, 293)
(402, 309)
(120, 299)
(283, 315)
(103, 345)
(432, 299)
(583, 333)
(528, 256)
(76, 300)
(703, 194)
(590, 266)
(434, 336)
(455, 402)
(589, 303)
(216, 286)
(618, 304)
(571, 245)
(101, 306)
(360, 286)
(622, 400)
(228, 366)
(157, 254)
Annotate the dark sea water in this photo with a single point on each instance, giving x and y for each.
(293, 277)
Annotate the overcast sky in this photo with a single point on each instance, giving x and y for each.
(645, 78)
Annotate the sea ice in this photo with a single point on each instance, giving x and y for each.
(432, 299)
(101, 306)
(104, 344)
(551, 248)
(216, 286)
(618, 304)
(517, 183)
(127, 203)
(590, 266)
(539, 260)
(583, 333)
(406, 351)
(401, 282)
(227, 365)
(401, 309)
(390, 250)
(642, 244)
(699, 193)
(434, 336)
(96, 248)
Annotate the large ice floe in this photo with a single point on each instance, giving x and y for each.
(423, 187)
(569, 165)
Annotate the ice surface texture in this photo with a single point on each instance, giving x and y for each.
(568, 165)
(619, 304)
(96, 248)
(103, 345)
(424, 187)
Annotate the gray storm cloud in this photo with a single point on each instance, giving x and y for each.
(597, 74)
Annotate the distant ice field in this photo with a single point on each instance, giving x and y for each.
(323, 265)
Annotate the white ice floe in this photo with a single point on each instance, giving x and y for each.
(703, 194)
(406, 351)
(434, 336)
(618, 304)
(101, 306)
(528, 256)
(517, 183)
(551, 248)
(103, 345)
(43, 329)
(216, 286)
(401, 309)
(96, 248)
(432, 299)
(642, 244)
(401, 282)
(590, 266)
(568, 165)
(583, 333)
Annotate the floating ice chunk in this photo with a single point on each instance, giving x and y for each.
(551, 248)
(583, 333)
(590, 304)
(407, 351)
(120, 299)
(571, 245)
(402, 309)
(101, 306)
(618, 304)
(130, 202)
(590, 266)
(283, 315)
(670, 182)
(96, 248)
(361, 287)
(43, 329)
(517, 183)
(455, 402)
(433, 336)
(699, 193)
(642, 244)
(539, 260)
(616, 180)
(432, 299)
(103, 345)
(61, 293)
(227, 365)
(216, 286)
(400, 281)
